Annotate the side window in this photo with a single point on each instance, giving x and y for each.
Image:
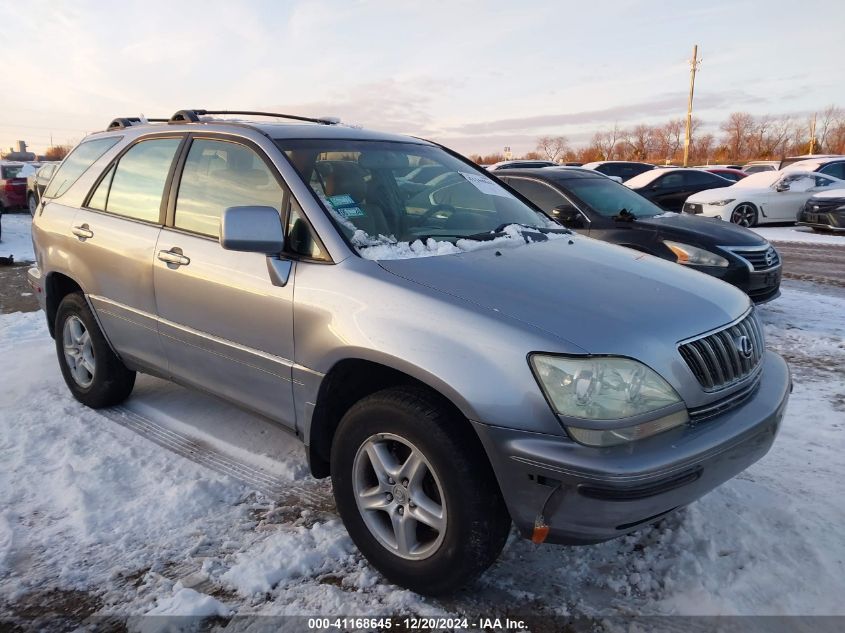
(138, 181)
(837, 170)
(218, 175)
(101, 195)
(77, 163)
(695, 178)
(541, 195)
(670, 180)
(300, 236)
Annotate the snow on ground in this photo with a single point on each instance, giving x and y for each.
(16, 238)
(796, 233)
(118, 507)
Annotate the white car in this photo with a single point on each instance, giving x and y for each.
(769, 196)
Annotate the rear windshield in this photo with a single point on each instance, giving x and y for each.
(377, 195)
(609, 198)
(77, 163)
(11, 171)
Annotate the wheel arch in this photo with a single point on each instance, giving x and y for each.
(57, 286)
(348, 381)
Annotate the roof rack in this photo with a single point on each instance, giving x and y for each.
(121, 123)
(193, 116)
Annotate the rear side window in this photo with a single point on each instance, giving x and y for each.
(540, 194)
(218, 175)
(135, 186)
(837, 170)
(77, 163)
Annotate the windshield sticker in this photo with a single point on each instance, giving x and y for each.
(485, 185)
(346, 206)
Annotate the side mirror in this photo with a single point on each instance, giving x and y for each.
(252, 230)
(781, 187)
(567, 215)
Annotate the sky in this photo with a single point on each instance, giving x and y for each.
(476, 76)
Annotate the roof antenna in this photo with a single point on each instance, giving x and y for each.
(143, 119)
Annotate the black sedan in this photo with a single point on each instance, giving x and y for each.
(594, 205)
(669, 188)
(824, 211)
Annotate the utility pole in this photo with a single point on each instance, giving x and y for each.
(693, 63)
(813, 135)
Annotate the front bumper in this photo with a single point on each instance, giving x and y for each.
(35, 281)
(588, 495)
(822, 219)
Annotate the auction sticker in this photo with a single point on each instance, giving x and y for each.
(485, 185)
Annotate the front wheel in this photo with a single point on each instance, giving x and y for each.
(93, 373)
(416, 492)
(744, 214)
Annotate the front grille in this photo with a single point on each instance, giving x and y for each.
(717, 359)
(760, 259)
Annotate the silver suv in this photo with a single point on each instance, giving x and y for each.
(451, 357)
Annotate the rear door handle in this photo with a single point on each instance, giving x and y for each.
(82, 232)
(173, 258)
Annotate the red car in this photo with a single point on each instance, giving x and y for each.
(12, 187)
(725, 172)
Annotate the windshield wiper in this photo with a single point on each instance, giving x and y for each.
(499, 231)
(624, 216)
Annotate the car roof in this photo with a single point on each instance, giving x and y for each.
(814, 163)
(274, 129)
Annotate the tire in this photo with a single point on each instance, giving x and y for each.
(745, 214)
(93, 373)
(32, 204)
(401, 423)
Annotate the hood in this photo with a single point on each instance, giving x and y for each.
(700, 230)
(724, 193)
(830, 194)
(605, 299)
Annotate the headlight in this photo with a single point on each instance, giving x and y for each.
(694, 256)
(721, 203)
(607, 400)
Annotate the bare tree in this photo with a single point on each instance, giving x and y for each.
(640, 141)
(737, 129)
(552, 147)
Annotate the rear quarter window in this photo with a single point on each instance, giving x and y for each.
(77, 163)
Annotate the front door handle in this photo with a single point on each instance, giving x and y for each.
(174, 258)
(82, 232)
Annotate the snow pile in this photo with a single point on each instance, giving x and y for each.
(287, 554)
(514, 235)
(186, 602)
(803, 234)
(16, 236)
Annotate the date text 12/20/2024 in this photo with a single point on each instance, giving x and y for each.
(415, 623)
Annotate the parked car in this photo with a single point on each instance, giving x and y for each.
(775, 196)
(36, 183)
(589, 204)
(454, 367)
(520, 164)
(669, 188)
(829, 165)
(12, 188)
(824, 211)
(793, 161)
(729, 174)
(756, 166)
(623, 169)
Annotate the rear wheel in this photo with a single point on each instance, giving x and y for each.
(416, 492)
(744, 214)
(32, 203)
(93, 373)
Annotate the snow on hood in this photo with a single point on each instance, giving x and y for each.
(384, 248)
(724, 193)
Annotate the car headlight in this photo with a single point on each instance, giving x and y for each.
(694, 256)
(721, 203)
(606, 400)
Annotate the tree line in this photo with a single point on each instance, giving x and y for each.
(742, 137)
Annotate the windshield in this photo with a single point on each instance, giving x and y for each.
(372, 191)
(608, 198)
(760, 179)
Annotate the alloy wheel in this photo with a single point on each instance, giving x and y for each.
(79, 351)
(743, 215)
(399, 496)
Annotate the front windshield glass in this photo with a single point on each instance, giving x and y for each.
(378, 194)
(609, 198)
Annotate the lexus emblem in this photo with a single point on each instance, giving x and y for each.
(770, 257)
(744, 346)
